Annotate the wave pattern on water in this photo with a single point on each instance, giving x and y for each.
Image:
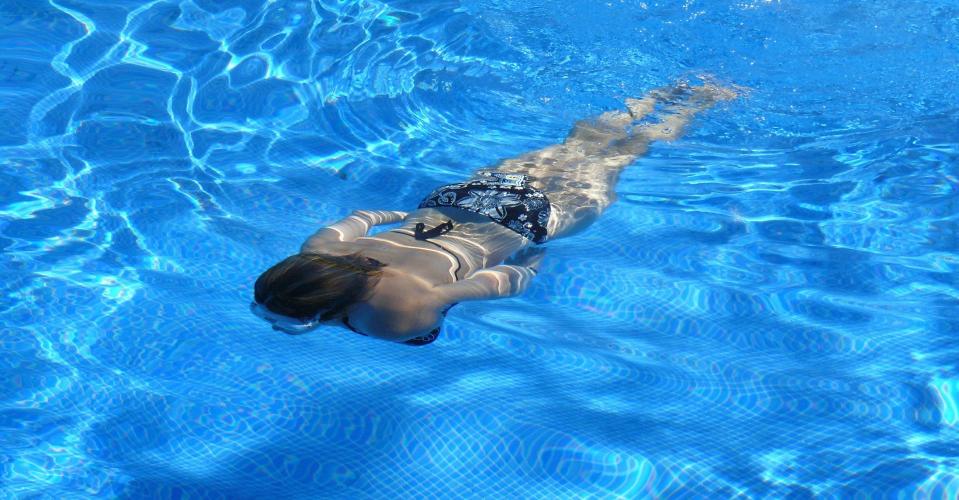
(768, 309)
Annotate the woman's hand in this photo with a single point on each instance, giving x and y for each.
(529, 257)
(505, 280)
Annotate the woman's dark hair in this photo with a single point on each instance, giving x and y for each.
(304, 284)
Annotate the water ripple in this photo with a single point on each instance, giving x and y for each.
(782, 279)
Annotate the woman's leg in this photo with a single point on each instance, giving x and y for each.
(579, 176)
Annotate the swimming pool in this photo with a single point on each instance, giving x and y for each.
(770, 309)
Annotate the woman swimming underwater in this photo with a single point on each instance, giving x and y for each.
(399, 284)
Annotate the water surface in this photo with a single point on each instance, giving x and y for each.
(769, 309)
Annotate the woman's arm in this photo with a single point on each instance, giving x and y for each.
(492, 283)
(353, 226)
(504, 280)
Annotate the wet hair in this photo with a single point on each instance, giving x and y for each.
(302, 285)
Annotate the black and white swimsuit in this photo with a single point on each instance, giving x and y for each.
(507, 199)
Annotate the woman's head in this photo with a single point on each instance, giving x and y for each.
(314, 286)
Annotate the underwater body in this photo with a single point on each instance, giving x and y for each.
(769, 309)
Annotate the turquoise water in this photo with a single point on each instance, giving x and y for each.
(769, 310)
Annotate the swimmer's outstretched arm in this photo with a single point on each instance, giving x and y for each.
(353, 226)
(496, 282)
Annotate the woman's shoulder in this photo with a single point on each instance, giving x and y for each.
(401, 306)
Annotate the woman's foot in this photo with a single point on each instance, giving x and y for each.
(677, 105)
(638, 108)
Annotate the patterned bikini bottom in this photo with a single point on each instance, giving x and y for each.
(507, 199)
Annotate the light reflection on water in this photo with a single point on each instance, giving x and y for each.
(768, 309)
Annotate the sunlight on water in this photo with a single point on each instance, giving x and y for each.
(768, 309)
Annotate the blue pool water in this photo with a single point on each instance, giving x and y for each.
(770, 309)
